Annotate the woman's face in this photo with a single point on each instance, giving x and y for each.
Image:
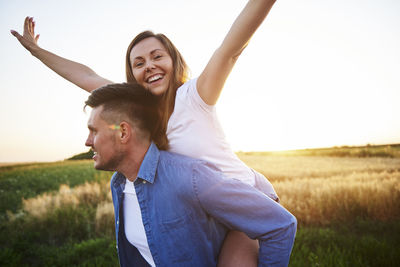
(151, 65)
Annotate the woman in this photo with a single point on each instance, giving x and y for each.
(188, 107)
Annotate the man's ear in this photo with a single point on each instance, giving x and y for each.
(125, 132)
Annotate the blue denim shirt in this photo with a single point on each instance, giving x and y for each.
(187, 209)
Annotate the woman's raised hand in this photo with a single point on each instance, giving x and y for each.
(28, 39)
(77, 73)
(212, 79)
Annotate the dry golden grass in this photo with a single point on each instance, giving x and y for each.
(86, 194)
(94, 194)
(321, 190)
(317, 190)
(104, 217)
(277, 168)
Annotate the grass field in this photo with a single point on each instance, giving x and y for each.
(348, 209)
(385, 151)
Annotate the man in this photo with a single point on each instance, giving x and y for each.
(171, 210)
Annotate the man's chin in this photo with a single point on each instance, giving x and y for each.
(109, 164)
(102, 167)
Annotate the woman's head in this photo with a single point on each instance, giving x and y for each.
(162, 72)
(155, 63)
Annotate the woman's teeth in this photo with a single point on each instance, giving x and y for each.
(154, 78)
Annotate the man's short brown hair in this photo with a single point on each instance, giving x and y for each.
(130, 101)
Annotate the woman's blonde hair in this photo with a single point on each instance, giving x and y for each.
(179, 76)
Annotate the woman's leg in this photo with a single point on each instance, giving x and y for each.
(265, 186)
(238, 250)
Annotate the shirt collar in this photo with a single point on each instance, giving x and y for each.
(147, 170)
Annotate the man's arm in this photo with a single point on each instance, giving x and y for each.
(241, 207)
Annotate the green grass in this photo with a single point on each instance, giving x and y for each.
(67, 239)
(29, 180)
(64, 237)
(68, 236)
(93, 252)
(363, 243)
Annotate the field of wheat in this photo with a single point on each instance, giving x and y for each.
(321, 190)
(317, 190)
(348, 210)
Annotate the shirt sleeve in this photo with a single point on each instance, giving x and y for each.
(193, 98)
(241, 207)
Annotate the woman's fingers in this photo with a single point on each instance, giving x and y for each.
(30, 26)
(28, 38)
(26, 25)
(19, 37)
(16, 34)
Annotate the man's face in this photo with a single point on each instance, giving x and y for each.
(104, 142)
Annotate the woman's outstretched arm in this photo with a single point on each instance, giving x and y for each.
(77, 73)
(212, 79)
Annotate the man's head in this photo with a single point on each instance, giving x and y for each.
(124, 117)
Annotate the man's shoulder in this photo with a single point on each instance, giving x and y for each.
(179, 159)
(176, 160)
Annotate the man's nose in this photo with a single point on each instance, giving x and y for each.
(88, 141)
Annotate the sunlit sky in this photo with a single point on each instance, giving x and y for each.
(316, 73)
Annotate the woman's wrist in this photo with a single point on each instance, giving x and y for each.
(35, 50)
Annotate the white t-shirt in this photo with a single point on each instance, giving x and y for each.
(133, 224)
(194, 130)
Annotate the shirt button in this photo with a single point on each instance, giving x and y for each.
(117, 222)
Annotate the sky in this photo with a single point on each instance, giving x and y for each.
(315, 74)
